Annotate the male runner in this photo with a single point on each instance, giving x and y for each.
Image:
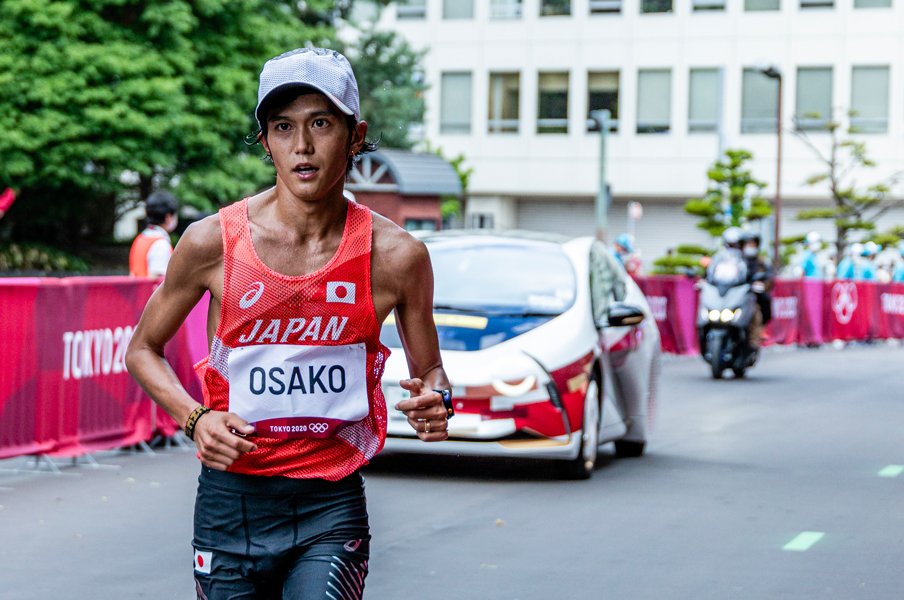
(300, 281)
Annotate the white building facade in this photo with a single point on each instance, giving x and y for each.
(512, 84)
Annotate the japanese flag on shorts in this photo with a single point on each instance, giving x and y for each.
(202, 561)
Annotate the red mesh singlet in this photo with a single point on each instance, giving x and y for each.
(330, 307)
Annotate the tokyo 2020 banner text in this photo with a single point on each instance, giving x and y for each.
(64, 389)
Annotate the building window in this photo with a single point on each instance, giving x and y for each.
(654, 100)
(551, 8)
(458, 9)
(411, 9)
(602, 93)
(872, 3)
(705, 5)
(869, 99)
(420, 224)
(817, 3)
(552, 103)
(504, 101)
(814, 98)
(759, 102)
(704, 96)
(505, 9)
(599, 7)
(756, 5)
(480, 221)
(455, 103)
(655, 6)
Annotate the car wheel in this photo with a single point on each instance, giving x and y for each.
(582, 466)
(629, 448)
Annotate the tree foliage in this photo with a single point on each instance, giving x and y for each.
(854, 207)
(391, 84)
(106, 100)
(733, 196)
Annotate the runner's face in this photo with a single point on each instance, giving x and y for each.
(310, 143)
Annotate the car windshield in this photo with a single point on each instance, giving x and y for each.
(501, 277)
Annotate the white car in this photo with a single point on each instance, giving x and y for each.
(550, 347)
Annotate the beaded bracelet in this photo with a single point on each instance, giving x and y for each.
(193, 420)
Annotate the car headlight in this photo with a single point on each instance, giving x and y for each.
(713, 315)
(736, 315)
(512, 390)
(727, 315)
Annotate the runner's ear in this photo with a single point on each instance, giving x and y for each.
(359, 133)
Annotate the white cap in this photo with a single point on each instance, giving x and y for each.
(813, 238)
(322, 69)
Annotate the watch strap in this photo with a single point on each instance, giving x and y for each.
(447, 402)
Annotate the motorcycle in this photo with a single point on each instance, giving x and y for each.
(727, 307)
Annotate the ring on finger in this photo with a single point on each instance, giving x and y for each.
(426, 425)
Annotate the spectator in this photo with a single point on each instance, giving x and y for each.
(626, 254)
(152, 249)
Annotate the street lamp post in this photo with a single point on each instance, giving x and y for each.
(602, 117)
(773, 72)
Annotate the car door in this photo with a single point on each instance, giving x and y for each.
(607, 285)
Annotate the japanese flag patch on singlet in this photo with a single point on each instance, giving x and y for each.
(293, 391)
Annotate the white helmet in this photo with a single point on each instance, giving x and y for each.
(814, 239)
(731, 236)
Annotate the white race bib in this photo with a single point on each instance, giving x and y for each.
(291, 391)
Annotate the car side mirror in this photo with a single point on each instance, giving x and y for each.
(625, 315)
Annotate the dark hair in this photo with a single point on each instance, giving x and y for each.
(282, 98)
(159, 205)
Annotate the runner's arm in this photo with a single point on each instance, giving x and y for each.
(417, 331)
(189, 274)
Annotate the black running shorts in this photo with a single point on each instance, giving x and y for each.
(271, 538)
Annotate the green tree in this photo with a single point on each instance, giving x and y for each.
(391, 84)
(733, 197)
(854, 207)
(106, 100)
(732, 200)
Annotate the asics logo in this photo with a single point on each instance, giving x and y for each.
(318, 427)
(252, 295)
(340, 291)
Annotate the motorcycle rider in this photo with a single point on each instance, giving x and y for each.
(760, 276)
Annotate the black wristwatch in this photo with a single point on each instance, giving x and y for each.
(447, 402)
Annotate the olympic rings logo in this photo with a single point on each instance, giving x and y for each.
(318, 427)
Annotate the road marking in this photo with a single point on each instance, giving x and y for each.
(803, 541)
(891, 471)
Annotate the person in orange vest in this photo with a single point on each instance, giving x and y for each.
(152, 249)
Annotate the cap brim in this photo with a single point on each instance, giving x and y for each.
(299, 85)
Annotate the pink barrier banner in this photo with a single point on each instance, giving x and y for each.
(849, 310)
(784, 326)
(673, 300)
(891, 310)
(64, 389)
(807, 312)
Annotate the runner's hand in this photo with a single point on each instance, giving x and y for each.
(425, 411)
(217, 443)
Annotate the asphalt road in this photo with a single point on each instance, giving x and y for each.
(787, 485)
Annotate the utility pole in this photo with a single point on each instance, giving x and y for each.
(773, 72)
(602, 117)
